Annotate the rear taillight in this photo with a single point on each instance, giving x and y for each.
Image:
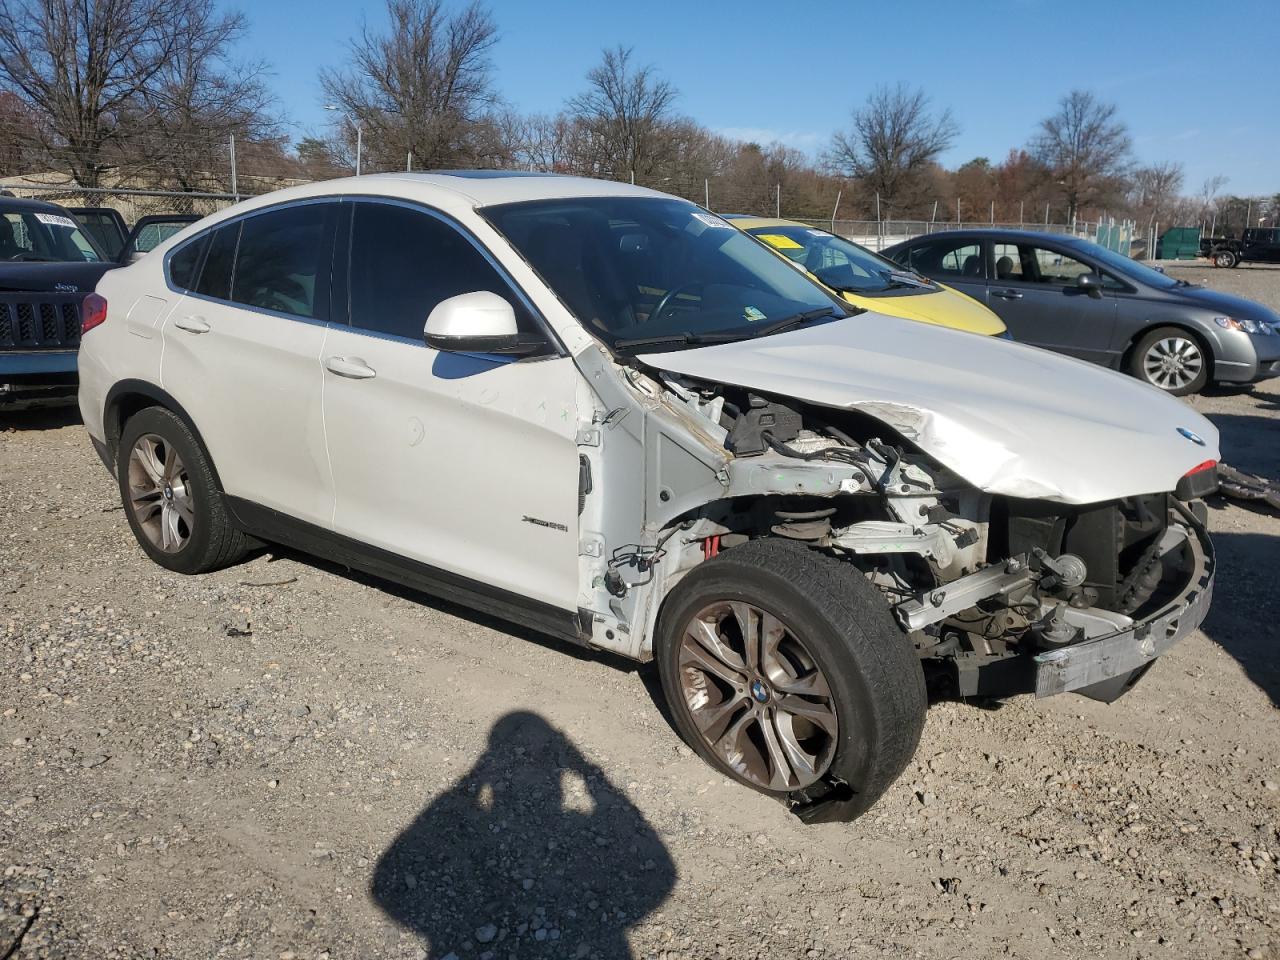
(93, 311)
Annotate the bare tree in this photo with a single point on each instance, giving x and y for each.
(892, 141)
(198, 101)
(1086, 147)
(422, 86)
(627, 117)
(1156, 191)
(88, 67)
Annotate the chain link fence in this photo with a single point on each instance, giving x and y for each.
(717, 194)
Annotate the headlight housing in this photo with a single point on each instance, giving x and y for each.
(1245, 326)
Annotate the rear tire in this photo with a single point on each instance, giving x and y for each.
(173, 503)
(828, 720)
(1225, 258)
(1172, 360)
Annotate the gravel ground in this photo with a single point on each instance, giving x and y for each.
(285, 760)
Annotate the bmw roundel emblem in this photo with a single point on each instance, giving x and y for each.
(1192, 436)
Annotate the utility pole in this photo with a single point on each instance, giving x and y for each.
(408, 164)
(777, 201)
(706, 192)
(235, 192)
(836, 209)
(359, 146)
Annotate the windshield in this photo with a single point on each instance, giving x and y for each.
(1126, 266)
(39, 236)
(839, 263)
(653, 269)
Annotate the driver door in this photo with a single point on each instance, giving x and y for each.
(465, 463)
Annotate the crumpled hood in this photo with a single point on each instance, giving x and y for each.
(1008, 418)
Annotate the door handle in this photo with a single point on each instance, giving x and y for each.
(1007, 294)
(192, 324)
(353, 368)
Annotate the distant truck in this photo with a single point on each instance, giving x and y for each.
(1256, 245)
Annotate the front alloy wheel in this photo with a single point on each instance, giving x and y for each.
(160, 493)
(757, 697)
(1174, 363)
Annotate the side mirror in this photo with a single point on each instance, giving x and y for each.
(480, 322)
(1090, 284)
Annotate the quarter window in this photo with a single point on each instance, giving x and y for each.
(281, 261)
(405, 261)
(215, 278)
(186, 261)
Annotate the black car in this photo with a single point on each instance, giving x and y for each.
(48, 264)
(1075, 297)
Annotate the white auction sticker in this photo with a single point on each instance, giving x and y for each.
(711, 221)
(56, 220)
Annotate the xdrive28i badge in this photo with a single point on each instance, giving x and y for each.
(1192, 436)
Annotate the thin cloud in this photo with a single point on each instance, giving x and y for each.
(806, 140)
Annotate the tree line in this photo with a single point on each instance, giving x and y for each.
(151, 93)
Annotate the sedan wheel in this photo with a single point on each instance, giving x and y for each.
(160, 493)
(1173, 363)
(757, 697)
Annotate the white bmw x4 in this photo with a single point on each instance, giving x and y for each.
(603, 412)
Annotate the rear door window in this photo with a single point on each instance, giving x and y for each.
(282, 261)
(955, 258)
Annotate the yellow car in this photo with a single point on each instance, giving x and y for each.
(870, 281)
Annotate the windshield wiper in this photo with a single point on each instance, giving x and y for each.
(683, 338)
(687, 338)
(895, 281)
(795, 320)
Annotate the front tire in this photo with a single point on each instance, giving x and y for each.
(1171, 359)
(785, 671)
(173, 503)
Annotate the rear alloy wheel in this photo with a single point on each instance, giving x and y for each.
(785, 670)
(1224, 258)
(170, 496)
(1172, 360)
(160, 493)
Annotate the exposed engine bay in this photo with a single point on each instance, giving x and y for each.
(982, 583)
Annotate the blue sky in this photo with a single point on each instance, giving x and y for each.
(793, 71)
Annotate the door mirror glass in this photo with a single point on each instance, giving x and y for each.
(479, 322)
(1090, 284)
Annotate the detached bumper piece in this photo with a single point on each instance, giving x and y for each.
(1105, 667)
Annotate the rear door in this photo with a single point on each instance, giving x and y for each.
(106, 226)
(242, 355)
(1033, 289)
(149, 232)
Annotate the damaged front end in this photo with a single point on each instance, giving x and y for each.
(1000, 595)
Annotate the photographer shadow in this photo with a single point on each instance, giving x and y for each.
(532, 852)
